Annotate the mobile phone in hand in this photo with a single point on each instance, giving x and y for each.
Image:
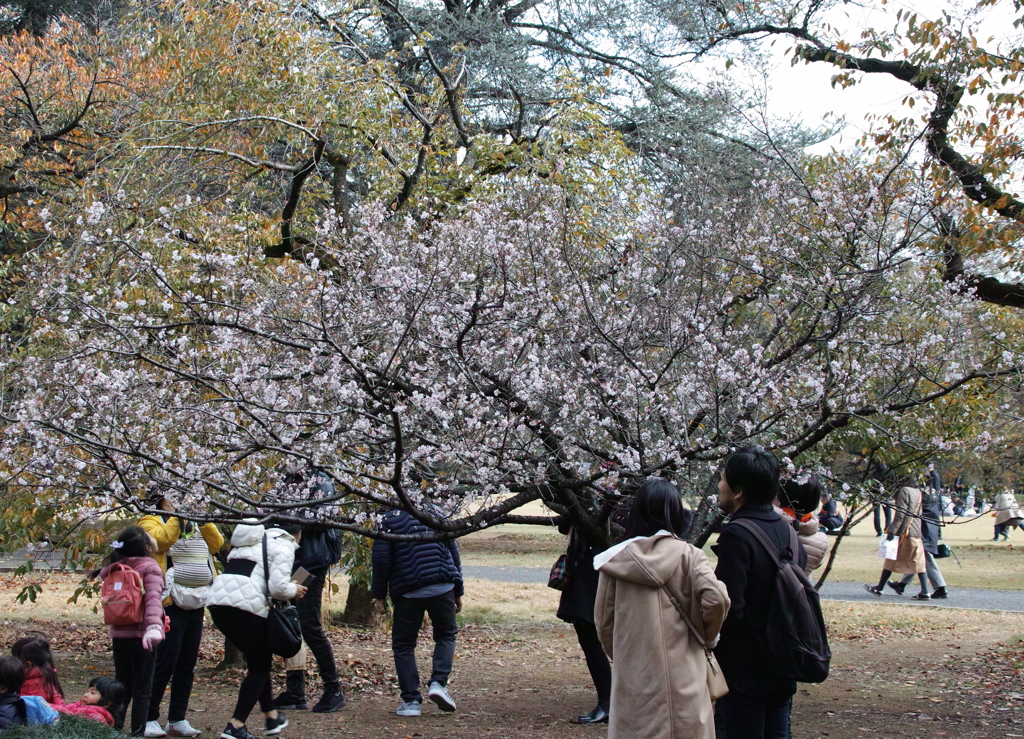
(301, 576)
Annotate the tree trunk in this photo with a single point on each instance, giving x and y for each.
(232, 657)
(359, 606)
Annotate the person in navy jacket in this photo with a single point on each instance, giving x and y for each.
(422, 577)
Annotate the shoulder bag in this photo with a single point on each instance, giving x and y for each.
(717, 686)
(284, 635)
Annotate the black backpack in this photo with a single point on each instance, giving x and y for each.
(796, 642)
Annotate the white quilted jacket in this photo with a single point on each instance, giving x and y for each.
(250, 593)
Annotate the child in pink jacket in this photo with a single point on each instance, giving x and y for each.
(100, 702)
(40, 672)
(134, 655)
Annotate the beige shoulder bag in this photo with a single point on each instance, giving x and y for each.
(716, 680)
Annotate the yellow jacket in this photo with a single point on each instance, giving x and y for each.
(167, 532)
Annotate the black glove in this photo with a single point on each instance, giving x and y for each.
(890, 537)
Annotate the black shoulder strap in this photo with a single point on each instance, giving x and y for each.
(767, 543)
(266, 569)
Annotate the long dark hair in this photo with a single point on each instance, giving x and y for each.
(657, 505)
(35, 650)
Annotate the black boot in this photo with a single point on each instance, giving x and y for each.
(598, 716)
(294, 695)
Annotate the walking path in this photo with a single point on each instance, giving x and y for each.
(982, 600)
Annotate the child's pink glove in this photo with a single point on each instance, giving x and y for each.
(153, 636)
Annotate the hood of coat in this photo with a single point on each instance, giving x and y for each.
(250, 535)
(646, 560)
(805, 528)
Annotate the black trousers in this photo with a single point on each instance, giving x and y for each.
(248, 632)
(877, 515)
(176, 662)
(755, 708)
(313, 634)
(405, 627)
(597, 661)
(133, 668)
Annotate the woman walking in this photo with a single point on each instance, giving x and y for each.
(659, 667)
(906, 526)
(177, 655)
(239, 605)
(1007, 515)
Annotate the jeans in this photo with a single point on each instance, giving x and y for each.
(405, 627)
(313, 634)
(177, 656)
(133, 668)
(755, 708)
(248, 632)
(932, 570)
(597, 661)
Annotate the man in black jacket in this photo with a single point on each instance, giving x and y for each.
(422, 577)
(759, 702)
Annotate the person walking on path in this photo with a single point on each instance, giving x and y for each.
(881, 474)
(906, 526)
(177, 655)
(576, 606)
(1007, 515)
(931, 533)
(422, 577)
(134, 645)
(659, 674)
(759, 702)
(319, 550)
(239, 605)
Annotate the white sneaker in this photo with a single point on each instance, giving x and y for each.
(182, 728)
(153, 729)
(412, 708)
(439, 694)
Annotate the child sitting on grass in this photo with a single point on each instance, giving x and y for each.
(100, 702)
(14, 709)
(40, 672)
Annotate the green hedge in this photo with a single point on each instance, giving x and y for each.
(69, 727)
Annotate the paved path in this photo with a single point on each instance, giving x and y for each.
(984, 600)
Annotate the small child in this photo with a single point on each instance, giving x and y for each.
(40, 672)
(100, 702)
(14, 709)
(134, 645)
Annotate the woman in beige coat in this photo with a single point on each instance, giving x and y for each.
(906, 526)
(659, 668)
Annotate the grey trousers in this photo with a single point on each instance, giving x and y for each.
(931, 568)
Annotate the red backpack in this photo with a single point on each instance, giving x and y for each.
(121, 596)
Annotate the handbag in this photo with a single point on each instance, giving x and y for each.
(284, 635)
(942, 551)
(558, 578)
(717, 686)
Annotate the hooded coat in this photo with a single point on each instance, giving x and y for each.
(659, 670)
(1007, 509)
(245, 587)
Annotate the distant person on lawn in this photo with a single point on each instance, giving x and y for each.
(423, 577)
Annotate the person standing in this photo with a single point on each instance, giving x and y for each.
(759, 702)
(1007, 515)
(796, 504)
(931, 517)
(576, 606)
(177, 655)
(319, 550)
(906, 526)
(239, 604)
(659, 685)
(422, 577)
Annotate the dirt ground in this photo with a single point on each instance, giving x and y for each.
(898, 671)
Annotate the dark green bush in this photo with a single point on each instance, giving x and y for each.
(69, 727)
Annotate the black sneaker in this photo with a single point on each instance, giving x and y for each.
(940, 593)
(922, 596)
(897, 586)
(233, 732)
(291, 702)
(330, 703)
(873, 589)
(274, 726)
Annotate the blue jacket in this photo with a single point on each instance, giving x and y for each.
(403, 566)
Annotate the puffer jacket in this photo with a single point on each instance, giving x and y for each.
(248, 590)
(88, 710)
(35, 685)
(814, 540)
(403, 566)
(152, 610)
(12, 711)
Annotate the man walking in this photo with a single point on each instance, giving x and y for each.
(319, 550)
(423, 577)
(759, 702)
